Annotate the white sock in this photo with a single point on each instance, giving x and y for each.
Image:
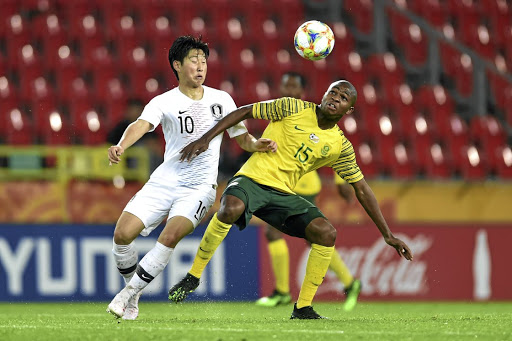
(151, 266)
(126, 258)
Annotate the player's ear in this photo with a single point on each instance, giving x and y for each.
(350, 111)
(176, 65)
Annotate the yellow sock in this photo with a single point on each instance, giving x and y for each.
(213, 236)
(318, 263)
(280, 258)
(339, 267)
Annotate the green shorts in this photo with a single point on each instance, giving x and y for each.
(289, 213)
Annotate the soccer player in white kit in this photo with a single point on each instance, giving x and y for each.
(183, 192)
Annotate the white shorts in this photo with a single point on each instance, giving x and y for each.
(154, 202)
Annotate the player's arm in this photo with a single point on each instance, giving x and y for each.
(367, 199)
(250, 144)
(131, 135)
(197, 147)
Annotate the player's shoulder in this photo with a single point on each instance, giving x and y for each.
(216, 93)
(295, 104)
(165, 96)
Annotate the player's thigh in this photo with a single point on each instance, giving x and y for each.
(193, 203)
(176, 228)
(151, 205)
(290, 214)
(127, 228)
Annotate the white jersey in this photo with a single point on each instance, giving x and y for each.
(185, 120)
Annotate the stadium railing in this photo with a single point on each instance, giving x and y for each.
(64, 163)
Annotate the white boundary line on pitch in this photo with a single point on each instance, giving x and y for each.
(238, 330)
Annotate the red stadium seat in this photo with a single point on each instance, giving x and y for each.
(402, 164)
(488, 133)
(466, 16)
(368, 160)
(464, 75)
(436, 103)
(353, 129)
(76, 90)
(455, 136)
(18, 127)
(48, 30)
(479, 38)
(361, 12)
(503, 164)
(433, 11)
(54, 129)
(88, 126)
(438, 164)
(343, 37)
(17, 29)
(473, 164)
(385, 69)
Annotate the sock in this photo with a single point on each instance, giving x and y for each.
(318, 263)
(150, 266)
(280, 258)
(340, 269)
(213, 236)
(126, 258)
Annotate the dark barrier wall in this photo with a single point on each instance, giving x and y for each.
(75, 263)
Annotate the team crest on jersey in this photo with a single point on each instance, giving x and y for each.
(216, 111)
(314, 138)
(325, 150)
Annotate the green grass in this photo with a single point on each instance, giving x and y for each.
(244, 321)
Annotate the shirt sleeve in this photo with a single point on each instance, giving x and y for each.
(338, 180)
(346, 166)
(152, 114)
(276, 110)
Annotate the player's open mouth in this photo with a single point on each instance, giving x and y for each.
(331, 106)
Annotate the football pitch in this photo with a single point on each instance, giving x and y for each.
(245, 321)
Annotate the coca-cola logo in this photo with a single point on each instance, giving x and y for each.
(380, 269)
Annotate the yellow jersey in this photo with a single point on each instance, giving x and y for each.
(302, 146)
(338, 180)
(309, 184)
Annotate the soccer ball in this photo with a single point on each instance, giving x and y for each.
(314, 40)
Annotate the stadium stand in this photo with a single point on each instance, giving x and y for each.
(438, 78)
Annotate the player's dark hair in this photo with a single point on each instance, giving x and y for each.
(182, 45)
(302, 79)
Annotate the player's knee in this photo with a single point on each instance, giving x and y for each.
(122, 237)
(321, 232)
(272, 233)
(231, 209)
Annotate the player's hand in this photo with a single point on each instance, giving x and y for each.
(193, 149)
(114, 154)
(265, 145)
(400, 247)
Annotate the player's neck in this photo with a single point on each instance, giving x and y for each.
(323, 121)
(195, 93)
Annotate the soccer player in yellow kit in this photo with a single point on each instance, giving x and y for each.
(308, 137)
(293, 85)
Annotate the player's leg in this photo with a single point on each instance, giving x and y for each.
(280, 259)
(128, 227)
(230, 210)
(322, 236)
(352, 285)
(241, 196)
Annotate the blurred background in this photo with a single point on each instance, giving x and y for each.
(432, 132)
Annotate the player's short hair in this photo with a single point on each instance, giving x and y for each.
(302, 79)
(182, 45)
(350, 86)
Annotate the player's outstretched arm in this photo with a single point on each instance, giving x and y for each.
(197, 147)
(367, 199)
(250, 144)
(131, 135)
